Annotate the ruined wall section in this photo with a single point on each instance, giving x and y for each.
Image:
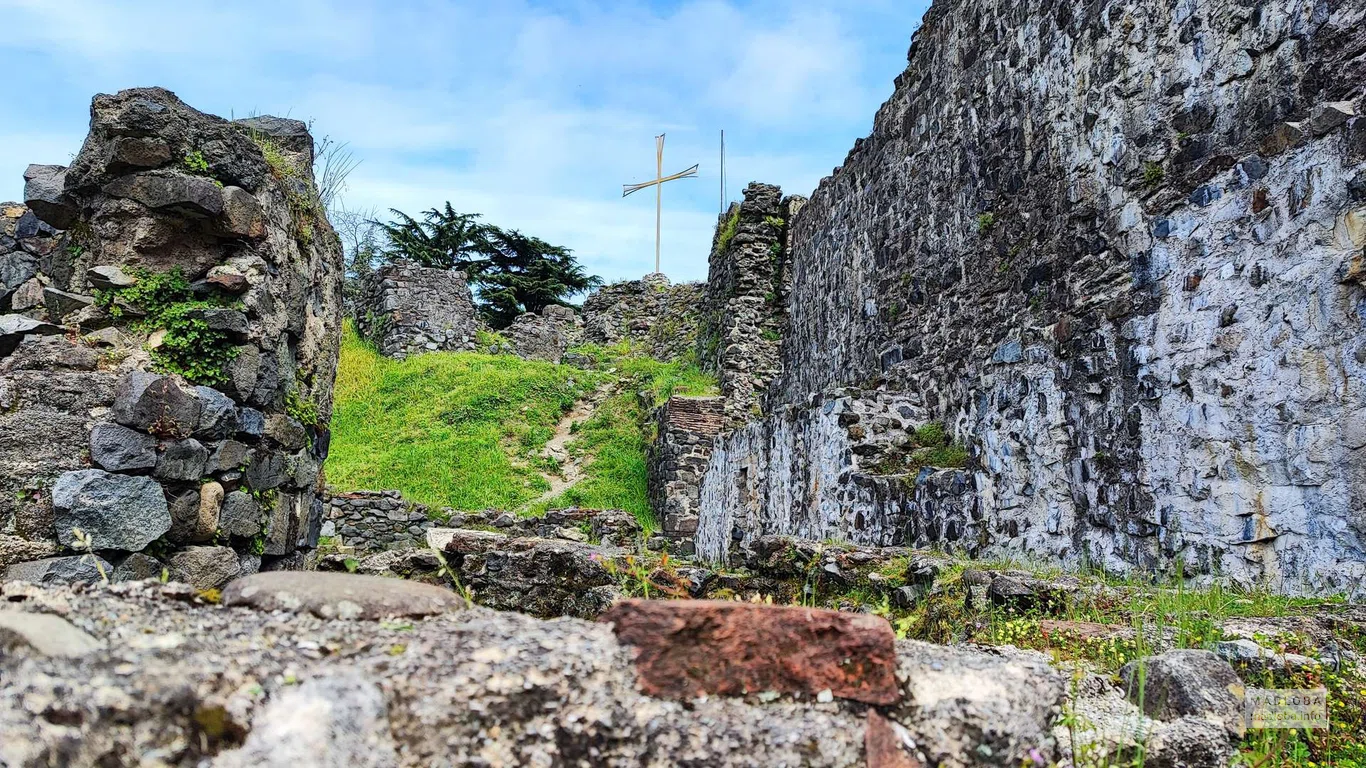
(685, 429)
(1116, 247)
(177, 386)
(744, 307)
(406, 309)
(651, 313)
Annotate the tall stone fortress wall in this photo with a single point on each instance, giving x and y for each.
(1116, 250)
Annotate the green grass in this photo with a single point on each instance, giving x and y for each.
(447, 428)
(616, 435)
(464, 430)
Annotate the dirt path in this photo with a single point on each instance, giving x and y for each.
(557, 448)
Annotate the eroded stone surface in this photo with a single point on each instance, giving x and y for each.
(340, 595)
(195, 682)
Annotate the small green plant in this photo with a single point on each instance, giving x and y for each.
(191, 348)
(196, 164)
(768, 334)
(446, 571)
(1153, 173)
(728, 228)
(985, 222)
(165, 301)
(281, 167)
(486, 339)
(300, 408)
(776, 222)
(82, 541)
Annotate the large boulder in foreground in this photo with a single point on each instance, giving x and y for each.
(196, 683)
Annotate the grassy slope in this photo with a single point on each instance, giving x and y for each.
(615, 437)
(462, 429)
(444, 427)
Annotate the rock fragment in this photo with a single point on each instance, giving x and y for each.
(115, 511)
(340, 595)
(45, 635)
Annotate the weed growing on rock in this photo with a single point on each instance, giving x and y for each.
(83, 542)
(728, 228)
(196, 164)
(281, 167)
(165, 301)
(1153, 173)
(985, 222)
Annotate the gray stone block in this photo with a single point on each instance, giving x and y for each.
(117, 448)
(115, 511)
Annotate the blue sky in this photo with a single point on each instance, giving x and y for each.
(532, 113)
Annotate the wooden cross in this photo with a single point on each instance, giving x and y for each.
(658, 184)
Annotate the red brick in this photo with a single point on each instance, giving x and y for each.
(688, 648)
(883, 746)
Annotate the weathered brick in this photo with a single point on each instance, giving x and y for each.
(690, 648)
(884, 746)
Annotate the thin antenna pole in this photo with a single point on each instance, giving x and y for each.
(659, 192)
(723, 170)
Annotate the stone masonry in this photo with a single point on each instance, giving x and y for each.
(167, 365)
(1117, 249)
(405, 309)
(685, 429)
(652, 314)
(545, 336)
(744, 307)
(372, 521)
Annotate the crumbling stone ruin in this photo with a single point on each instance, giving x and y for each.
(372, 521)
(1137, 305)
(167, 364)
(405, 309)
(659, 317)
(685, 428)
(1091, 293)
(546, 336)
(744, 306)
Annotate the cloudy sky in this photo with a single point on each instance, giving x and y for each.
(532, 113)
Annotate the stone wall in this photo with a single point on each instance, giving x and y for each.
(744, 306)
(180, 389)
(652, 314)
(546, 336)
(371, 521)
(685, 428)
(1117, 248)
(28, 246)
(405, 309)
(846, 469)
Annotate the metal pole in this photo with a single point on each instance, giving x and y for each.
(723, 170)
(659, 192)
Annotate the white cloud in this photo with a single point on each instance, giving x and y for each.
(533, 114)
